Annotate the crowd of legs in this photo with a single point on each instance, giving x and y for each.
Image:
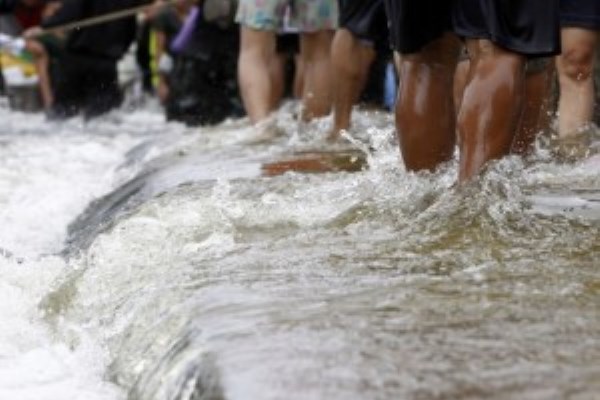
(472, 74)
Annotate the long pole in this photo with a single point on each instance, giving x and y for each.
(101, 19)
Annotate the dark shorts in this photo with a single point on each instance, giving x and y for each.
(528, 27)
(85, 84)
(366, 20)
(580, 14)
(415, 23)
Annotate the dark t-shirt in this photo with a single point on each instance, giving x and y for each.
(580, 14)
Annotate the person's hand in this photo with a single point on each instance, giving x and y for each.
(51, 9)
(33, 32)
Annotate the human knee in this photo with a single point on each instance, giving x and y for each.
(253, 54)
(506, 64)
(444, 52)
(342, 44)
(316, 45)
(487, 52)
(257, 43)
(427, 74)
(577, 63)
(345, 52)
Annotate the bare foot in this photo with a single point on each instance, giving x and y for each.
(335, 135)
(265, 131)
(574, 147)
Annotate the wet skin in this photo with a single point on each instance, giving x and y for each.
(492, 106)
(351, 61)
(490, 110)
(258, 50)
(425, 113)
(536, 115)
(575, 74)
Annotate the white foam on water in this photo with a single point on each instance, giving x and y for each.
(177, 259)
(33, 364)
(46, 179)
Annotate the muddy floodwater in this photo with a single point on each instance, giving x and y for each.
(144, 260)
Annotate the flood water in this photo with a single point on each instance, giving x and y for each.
(145, 260)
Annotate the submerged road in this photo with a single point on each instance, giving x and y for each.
(145, 260)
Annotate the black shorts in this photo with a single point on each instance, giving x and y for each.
(415, 23)
(366, 20)
(528, 27)
(580, 14)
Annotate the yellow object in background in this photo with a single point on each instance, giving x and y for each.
(23, 61)
(153, 46)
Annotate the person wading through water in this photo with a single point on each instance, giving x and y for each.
(86, 80)
(260, 21)
(501, 36)
(363, 32)
(580, 23)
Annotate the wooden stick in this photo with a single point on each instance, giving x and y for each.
(101, 19)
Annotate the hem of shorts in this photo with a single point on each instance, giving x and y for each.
(258, 27)
(365, 37)
(413, 49)
(277, 29)
(576, 21)
(509, 45)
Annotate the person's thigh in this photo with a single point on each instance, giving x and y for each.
(253, 40)
(414, 24)
(582, 39)
(526, 27)
(315, 15)
(266, 15)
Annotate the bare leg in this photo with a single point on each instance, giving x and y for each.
(460, 82)
(42, 63)
(315, 52)
(491, 107)
(351, 61)
(278, 79)
(162, 90)
(298, 77)
(254, 72)
(535, 116)
(425, 114)
(575, 72)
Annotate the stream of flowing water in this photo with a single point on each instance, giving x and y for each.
(144, 260)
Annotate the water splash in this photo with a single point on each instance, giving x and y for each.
(208, 282)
